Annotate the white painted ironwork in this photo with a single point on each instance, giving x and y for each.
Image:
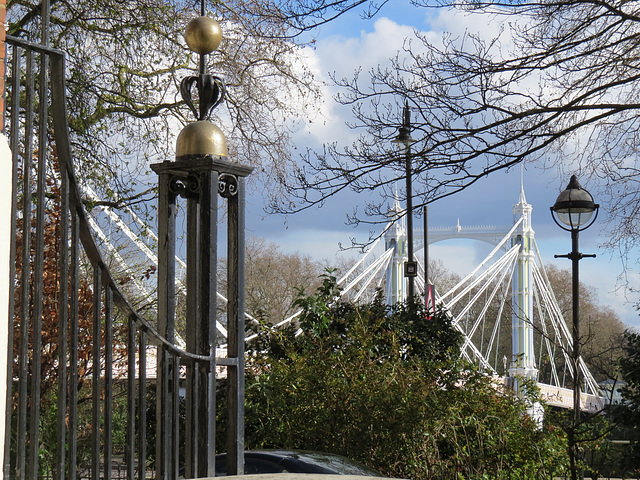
(512, 282)
(109, 244)
(523, 366)
(509, 282)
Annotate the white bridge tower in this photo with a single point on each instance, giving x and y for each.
(523, 365)
(396, 238)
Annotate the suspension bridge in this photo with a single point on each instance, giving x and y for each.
(505, 308)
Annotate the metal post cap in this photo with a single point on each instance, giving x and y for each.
(199, 139)
(203, 35)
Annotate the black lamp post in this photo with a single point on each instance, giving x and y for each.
(405, 141)
(574, 211)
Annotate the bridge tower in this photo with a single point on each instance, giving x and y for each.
(523, 365)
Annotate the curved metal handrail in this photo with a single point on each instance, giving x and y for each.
(64, 321)
(63, 145)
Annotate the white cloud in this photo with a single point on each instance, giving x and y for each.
(340, 56)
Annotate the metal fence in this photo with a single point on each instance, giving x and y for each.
(82, 396)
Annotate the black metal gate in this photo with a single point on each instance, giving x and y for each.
(94, 388)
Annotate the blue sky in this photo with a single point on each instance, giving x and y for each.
(351, 42)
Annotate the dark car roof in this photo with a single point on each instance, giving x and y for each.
(296, 461)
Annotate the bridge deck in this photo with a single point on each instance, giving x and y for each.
(563, 398)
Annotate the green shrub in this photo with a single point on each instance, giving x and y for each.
(387, 387)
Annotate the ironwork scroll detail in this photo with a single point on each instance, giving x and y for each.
(211, 92)
(188, 187)
(227, 185)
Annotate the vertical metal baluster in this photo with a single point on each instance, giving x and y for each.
(131, 398)
(192, 399)
(192, 313)
(191, 409)
(163, 457)
(175, 418)
(196, 405)
(108, 381)
(142, 406)
(207, 325)
(95, 412)
(63, 295)
(60, 127)
(46, 17)
(166, 317)
(235, 331)
(26, 279)
(73, 345)
(13, 142)
(37, 296)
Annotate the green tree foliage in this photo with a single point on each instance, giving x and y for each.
(387, 387)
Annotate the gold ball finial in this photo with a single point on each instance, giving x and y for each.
(200, 139)
(203, 35)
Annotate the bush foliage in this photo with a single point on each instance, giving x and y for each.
(387, 387)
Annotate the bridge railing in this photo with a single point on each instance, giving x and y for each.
(563, 398)
(81, 393)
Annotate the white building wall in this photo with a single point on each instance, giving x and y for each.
(5, 240)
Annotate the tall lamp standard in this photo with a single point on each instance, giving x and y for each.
(404, 140)
(574, 211)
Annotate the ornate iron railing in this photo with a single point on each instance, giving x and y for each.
(84, 366)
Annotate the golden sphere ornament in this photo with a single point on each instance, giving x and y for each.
(201, 138)
(203, 35)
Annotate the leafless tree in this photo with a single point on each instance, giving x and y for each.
(556, 86)
(274, 279)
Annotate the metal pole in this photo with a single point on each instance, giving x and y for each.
(235, 330)
(575, 256)
(570, 206)
(409, 220)
(576, 472)
(426, 257)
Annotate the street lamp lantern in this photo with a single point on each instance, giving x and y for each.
(575, 207)
(403, 140)
(575, 211)
(404, 131)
